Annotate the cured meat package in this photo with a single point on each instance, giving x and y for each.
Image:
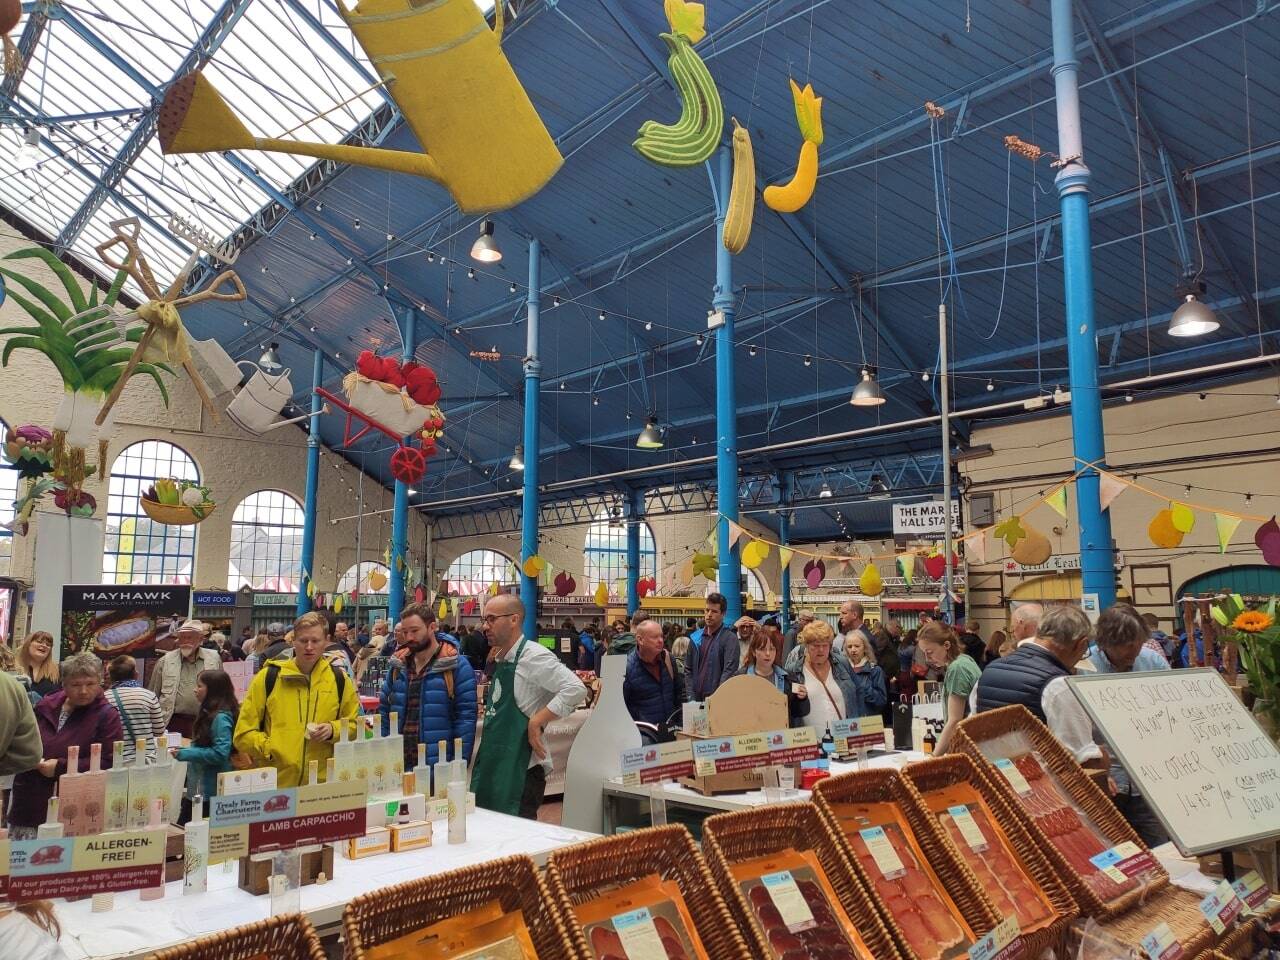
(643, 920)
(907, 885)
(790, 897)
(970, 824)
(485, 933)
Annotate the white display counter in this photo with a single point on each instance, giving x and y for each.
(136, 927)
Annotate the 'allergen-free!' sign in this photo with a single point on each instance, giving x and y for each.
(82, 866)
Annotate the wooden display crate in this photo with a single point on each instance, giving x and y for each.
(384, 915)
(585, 871)
(730, 838)
(255, 875)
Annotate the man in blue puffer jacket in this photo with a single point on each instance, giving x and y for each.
(652, 689)
(431, 687)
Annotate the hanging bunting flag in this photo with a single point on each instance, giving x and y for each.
(784, 556)
(907, 564)
(1182, 517)
(1109, 487)
(736, 531)
(814, 573)
(770, 600)
(976, 548)
(1058, 500)
(512, 572)
(494, 588)
(455, 604)
(685, 573)
(311, 588)
(443, 610)
(601, 594)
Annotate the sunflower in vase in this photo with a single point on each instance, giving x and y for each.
(1257, 635)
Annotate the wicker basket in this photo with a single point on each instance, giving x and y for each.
(1240, 944)
(581, 872)
(1179, 908)
(1083, 792)
(888, 786)
(288, 937)
(730, 838)
(957, 768)
(172, 514)
(383, 915)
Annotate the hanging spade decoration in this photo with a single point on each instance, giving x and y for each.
(565, 584)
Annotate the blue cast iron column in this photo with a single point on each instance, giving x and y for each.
(785, 495)
(532, 384)
(635, 517)
(406, 321)
(1096, 554)
(726, 404)
(310, 507)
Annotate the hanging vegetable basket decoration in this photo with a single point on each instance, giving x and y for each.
(177, 502)
(10, 14)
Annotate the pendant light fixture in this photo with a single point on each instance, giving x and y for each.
(1193, 318)
(877, 489)
(270, 359)
(825, 493)
(867, 393)
(486, 249)
(517, 458)
(650, 437)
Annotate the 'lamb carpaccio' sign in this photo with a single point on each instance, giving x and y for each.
(245, 823)
(82, 866)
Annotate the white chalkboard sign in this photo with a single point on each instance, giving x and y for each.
(1196, 755)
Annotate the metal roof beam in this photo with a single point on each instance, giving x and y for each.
(639, 40)
(210, 39)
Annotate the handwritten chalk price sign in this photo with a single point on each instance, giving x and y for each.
(1192, 750)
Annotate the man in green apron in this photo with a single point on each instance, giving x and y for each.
(528, 688)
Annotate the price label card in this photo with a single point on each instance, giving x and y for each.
(1252, 890)
(1123, 861)
(1014, 776)
(1001, 943)
(881, 848)
(706, 754)
(658, 761)
(968, 828)
(640, 940)
(1221, 907)
(858, 733)
(790, 902)
(1161, 944)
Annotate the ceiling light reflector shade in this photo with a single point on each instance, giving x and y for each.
(517, 458)
(877, 488)
(270, 359)
(485, 249)
(825, 493)
(650, 437)
(867, 393)
(1192, 319)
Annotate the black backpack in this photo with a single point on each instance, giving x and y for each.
(273, 674)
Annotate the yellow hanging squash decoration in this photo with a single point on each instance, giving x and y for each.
(742, 193)
(790, 197)
(601, 594)
(870, 582)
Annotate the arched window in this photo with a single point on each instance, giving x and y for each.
(380, 574)
(266, 543)
(754, 585)
(136, 549)
(604, 558)
(471, 574)
(8, 494)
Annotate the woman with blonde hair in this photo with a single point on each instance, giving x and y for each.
(832, 692)
(30, 930)
(35, 661)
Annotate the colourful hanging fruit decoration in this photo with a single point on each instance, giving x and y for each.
(533, 566)
(1033, 549)
(377, 580)
(1267, 539)
(646, 586)
(1010, 531)
(740, 210)
(1163, 532)
(935, 565)
(754, 554)
(706, 565)
(790, 197)
(1182, 517)
(870, 583)
(601, 595)
(815, 571)
(408, 464)
(564, 584)
(694, 137)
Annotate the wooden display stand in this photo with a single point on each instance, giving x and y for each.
(740, 705)
(255, 875)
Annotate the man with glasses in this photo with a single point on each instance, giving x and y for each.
(528, 688)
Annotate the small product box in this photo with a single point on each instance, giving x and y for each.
(439, 809)
(410, 836)
(374, 842)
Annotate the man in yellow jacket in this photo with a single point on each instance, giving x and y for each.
(291, 713)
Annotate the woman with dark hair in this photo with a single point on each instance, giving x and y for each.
(210, 751)
(761, 660)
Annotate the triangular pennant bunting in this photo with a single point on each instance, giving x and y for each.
(907, 563)
(784, 556)
(1109, 487)
(976, 548)
(736, 531)
(1226, 529)
(1058, 500)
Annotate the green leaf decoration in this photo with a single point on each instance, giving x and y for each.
(42, 293)
(1011, 532)
(63, 272)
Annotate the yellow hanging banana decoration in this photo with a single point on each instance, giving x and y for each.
(790, 197)
(742, 194)
(692, 138)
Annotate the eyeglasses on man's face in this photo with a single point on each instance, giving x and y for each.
(491, 617)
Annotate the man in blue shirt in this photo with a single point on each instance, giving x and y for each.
(1121, 637)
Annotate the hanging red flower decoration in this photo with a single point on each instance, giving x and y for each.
(408, 465)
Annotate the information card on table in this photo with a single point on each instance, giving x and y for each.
(1002, 943)
(1161, 944)
(858, 733)
(750, 750)
(245, 823)
(1192, 750)
(657, 761)
(1252, 891)
(82, 866)
(1221, 907)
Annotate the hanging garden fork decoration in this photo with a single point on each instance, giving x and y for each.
(165, 338)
